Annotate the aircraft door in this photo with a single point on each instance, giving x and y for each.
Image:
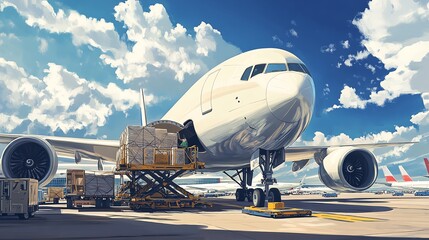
(206, 93)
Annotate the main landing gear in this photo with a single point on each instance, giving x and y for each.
(268, 159)
(245, 176)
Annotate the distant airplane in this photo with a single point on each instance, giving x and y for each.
(405, 176)
(228, 187)
(250, 108)
(427, 167)
(311, 189)
(409, 184)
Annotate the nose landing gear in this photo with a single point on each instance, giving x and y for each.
(268, 159)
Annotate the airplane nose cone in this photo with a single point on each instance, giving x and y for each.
(290, 96)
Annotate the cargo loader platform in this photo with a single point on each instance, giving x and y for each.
(151, 158)
(276, 210)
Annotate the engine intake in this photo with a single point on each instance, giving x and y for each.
(349, 169)
(30, 157)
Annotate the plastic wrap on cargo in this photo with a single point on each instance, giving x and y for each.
(171, 140)
(99, 184)
(149, 156)
(135, 155)
(149, 137)
(132, 135)
(178, 156)
(161, 135)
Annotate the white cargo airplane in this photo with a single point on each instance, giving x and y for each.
(408, 181)
(250, 107)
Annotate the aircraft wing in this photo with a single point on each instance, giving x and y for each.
(67, 147)
(294, 154)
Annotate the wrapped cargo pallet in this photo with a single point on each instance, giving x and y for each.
(99, 184)
(149, 137)
(178, 156)
(161, 135)
(149, 156)
(165, 139)
(132, 138)
(170, 141)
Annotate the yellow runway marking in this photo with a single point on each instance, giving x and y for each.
(345, 218)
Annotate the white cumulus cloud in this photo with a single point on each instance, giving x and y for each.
(328, 49)
(396, 32)
(61, 100)
(345, 44)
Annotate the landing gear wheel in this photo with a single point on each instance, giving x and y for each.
(274, 195)
(249, 195)
(98, 203)
(240, 195)
(258, 197)
(69, 203)
(24, 216)
(106, 203)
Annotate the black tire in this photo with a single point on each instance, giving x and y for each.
(107, 203)
(69, 203)
(24, 216)
(56, 200)
(99, 203)
(274, 195)
(240, 195)
(258, 197)
(249, 195)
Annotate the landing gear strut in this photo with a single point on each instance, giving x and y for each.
(268, 159)
(245, 176)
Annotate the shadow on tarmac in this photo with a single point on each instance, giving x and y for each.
(75, 226)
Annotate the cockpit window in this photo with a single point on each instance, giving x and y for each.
(295, 67)
(246, 73)
(275, 67)
(258, 69)
(305, 69)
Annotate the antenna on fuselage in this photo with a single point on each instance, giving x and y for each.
(142, 108)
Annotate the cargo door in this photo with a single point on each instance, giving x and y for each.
(206, 93)
(5, 197)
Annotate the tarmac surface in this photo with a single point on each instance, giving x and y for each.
(349, 216)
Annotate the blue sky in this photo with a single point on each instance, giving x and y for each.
(74, 67)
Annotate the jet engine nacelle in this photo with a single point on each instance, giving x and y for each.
(30, 157)
(349, 169)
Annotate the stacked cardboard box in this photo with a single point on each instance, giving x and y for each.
(165, 139)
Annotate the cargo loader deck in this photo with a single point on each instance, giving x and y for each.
(151, 159)
(152, 187)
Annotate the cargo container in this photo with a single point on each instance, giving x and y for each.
(19, 196)
(89, 188)
(55, 194)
